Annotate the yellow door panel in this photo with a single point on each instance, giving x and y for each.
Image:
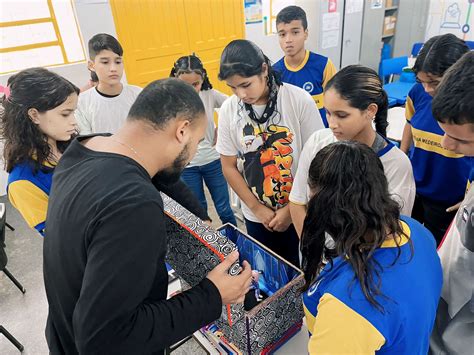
(152, 37)
(154, 33)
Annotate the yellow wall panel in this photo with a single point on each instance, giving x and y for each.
(154, 33)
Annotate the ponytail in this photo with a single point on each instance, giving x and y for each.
(380, 120)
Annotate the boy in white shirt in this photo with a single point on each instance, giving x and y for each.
(104, 108)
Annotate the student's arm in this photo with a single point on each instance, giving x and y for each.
(407, 137)
(329, 71)
(30, 201)
(113, 314)
(401, 184)
(340, 330)
(181, 193)
(298, 214)
(238, 184)
(219, 98)
(299, 190)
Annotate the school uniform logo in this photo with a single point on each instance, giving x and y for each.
(308, 86)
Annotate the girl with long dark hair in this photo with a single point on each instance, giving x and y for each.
(376, 288)
(355, 102)
(37, 124)
(261, 132)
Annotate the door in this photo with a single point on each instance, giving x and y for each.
(353, 16)
(211, 25)
(154, 33)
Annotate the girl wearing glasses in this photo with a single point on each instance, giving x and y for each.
(440, 175)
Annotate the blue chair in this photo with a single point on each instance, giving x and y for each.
(397, 91)
(391, 101)
(393, 66)
(470, 44)
(416, 48)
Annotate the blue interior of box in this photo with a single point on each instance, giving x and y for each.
(275, 273)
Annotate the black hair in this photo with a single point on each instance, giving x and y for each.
(361, 86)
(245, 58)
(439, 53)
(291, 13)
(36, 88)
(191, 64)
(94, 77)
(164, 100)
(347, 179)
(454, 99)
(104, 41)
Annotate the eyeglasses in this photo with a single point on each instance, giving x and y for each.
(432, 83)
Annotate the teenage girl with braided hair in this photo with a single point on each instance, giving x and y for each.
(206, 165)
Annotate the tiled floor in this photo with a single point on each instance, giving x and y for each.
(25, 315)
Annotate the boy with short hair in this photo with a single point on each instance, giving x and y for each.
(299, 66)
(453, 108)
(104, 108)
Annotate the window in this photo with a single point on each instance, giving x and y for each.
(38, 33)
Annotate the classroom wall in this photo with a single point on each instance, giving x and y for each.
(93, 16)
(269, 43)
(450, 16)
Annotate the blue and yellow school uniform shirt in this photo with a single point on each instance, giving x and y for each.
(312, 75)
(342, 321)
(440, 174)
(28, 191)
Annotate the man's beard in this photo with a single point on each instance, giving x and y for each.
(172, 174)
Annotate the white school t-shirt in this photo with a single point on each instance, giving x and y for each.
(397, 167)
(268, 154)
(206, 152)
(99, 114)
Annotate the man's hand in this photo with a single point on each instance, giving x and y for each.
(232, 288)
(282, 219)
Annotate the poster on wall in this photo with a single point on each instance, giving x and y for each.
(253, 11)
(454, 17)
(332, 6)
(331, 24)
(376, 4)
(354, 6)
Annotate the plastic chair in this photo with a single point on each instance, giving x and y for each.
(393, 66)
(416, 48)
(398, 91)
(470, 44)
(392, 102)
(3, 264)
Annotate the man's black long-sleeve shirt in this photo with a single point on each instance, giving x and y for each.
(104, 270)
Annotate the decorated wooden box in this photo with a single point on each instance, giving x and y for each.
(272, 312)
